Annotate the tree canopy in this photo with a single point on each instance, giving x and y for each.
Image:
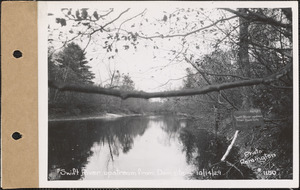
(230, 59)
(247, 47)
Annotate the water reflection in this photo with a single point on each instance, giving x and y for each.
(70, 142)
(204, 152)
(161, 147)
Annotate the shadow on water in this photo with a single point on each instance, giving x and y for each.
(70, 147)
(70, 143)
(204, 151)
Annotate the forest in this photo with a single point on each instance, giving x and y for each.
(238, 59)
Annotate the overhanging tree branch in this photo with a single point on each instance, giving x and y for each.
(208, 82)
(186, 34)
(186, 92)
(102, 27)
(130, 19)
(257, 17)
(225, 75)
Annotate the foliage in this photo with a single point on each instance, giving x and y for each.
(264, 33)
(70, 65)
(231, 46)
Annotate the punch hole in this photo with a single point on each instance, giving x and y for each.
(16, 135)
(17, 54)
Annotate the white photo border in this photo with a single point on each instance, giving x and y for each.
(43, 101)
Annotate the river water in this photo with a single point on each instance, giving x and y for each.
(142, 147)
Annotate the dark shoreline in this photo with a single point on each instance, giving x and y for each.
(106, 116)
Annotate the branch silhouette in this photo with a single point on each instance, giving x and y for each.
(185, 34)
(86, 88)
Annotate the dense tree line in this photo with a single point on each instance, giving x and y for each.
(268, 50)
(71, 66)
(248, 44)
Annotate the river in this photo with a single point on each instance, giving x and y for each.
(141, 147)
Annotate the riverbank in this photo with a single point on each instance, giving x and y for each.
(266, 150)
(106, 116)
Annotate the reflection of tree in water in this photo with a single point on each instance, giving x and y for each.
(204, 153)
(170, 125)
(70, 142)
(67, 148)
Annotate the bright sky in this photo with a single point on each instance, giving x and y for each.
(149, 69)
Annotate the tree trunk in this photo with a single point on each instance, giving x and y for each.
(243, 57)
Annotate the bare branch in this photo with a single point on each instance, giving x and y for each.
(186, 34)
(230, 146)
(232, 165)
(86, 19)
(225, 75)
(105, 25)
(172, 80)
(227, 35)
(146, 95)
(130, 19)
(106, 14)
(186, 92)
(279, 50)
(90, 38)
(281, 87)
(208, 82)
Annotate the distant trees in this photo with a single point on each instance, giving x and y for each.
(127, 83)
(248, 47)
(238, 59)
(261, 47)
(69, 66)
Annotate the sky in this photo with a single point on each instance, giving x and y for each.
(150, 69)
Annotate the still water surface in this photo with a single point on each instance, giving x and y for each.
(148, 147)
